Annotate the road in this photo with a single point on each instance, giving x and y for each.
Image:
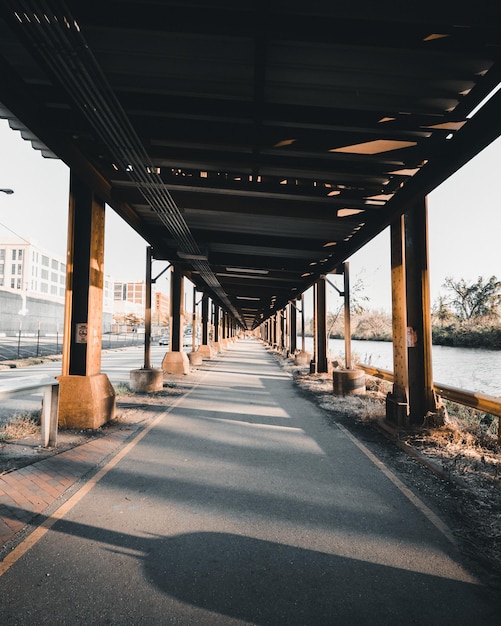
(30, 345)
(242, 505)
(116, 363)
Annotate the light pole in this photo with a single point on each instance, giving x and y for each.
(7, 191)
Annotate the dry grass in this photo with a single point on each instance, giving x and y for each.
(20, 425)
(466, 447)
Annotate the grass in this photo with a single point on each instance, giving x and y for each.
(21, 425)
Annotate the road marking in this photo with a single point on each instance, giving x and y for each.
(22, 548)
(417, 502)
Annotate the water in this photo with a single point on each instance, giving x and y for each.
(470, 369)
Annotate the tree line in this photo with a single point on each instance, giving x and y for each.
(468, 314)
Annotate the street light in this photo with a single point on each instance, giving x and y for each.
(7, 191)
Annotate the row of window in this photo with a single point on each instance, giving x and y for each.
(16, 255)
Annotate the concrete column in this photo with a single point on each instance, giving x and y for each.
(321, 325)
(86, 396)
(397, 402)
(421, 393)
(176, 360)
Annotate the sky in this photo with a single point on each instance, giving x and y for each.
(464, 215)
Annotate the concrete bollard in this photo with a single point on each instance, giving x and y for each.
(196, 358)
(146, 380)
(348, 382)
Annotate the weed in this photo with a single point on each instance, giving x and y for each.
(20, 425)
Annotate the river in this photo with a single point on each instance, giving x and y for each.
(470, 369)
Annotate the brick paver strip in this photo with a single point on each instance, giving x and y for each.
(29, 491)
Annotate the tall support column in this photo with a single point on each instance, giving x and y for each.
(147, 379)
(321, 325)
(176, 360)
(303, 330)
(86, 396)
(293, 327)
(347, 316)
(397, 402)
(217, 329)
(285, 330)
(223, 341)
(279, 327)
(205, 347)
(421, 393)
(205, 319)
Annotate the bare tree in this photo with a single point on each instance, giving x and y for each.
(474, 300)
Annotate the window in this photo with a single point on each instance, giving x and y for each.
(19, 269)
(118, 291)
(2, 254)
(44, 288)
(19, 255)
(53, 290)
(2, 269)
(62, 267)
(14, 255)
(62, 280)
(54, 264)
(54, 277)
(45, 274)
(45, 260)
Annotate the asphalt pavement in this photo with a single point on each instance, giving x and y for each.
(240, 504)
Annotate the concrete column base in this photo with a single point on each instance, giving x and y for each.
(223, 344)
(146, 380)
(216, 346)
(302, 358)
(348, 382)
(195, 358)
(176, 363)
(85, 401)
(205, 351)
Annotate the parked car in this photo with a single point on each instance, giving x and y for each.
(164, 340)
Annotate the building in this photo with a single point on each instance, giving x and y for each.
(33, 286)
(129, 302)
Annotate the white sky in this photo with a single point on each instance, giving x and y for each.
(464, 221)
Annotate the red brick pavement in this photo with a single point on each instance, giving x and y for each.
(27, 492)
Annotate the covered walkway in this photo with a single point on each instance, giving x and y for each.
(241, 504)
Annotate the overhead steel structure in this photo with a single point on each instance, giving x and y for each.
(255, 145)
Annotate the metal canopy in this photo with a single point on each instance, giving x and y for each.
(256, 145)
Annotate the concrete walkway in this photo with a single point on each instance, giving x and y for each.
(240, 504)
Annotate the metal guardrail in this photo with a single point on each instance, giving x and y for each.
(473, 399)
(49, 386)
